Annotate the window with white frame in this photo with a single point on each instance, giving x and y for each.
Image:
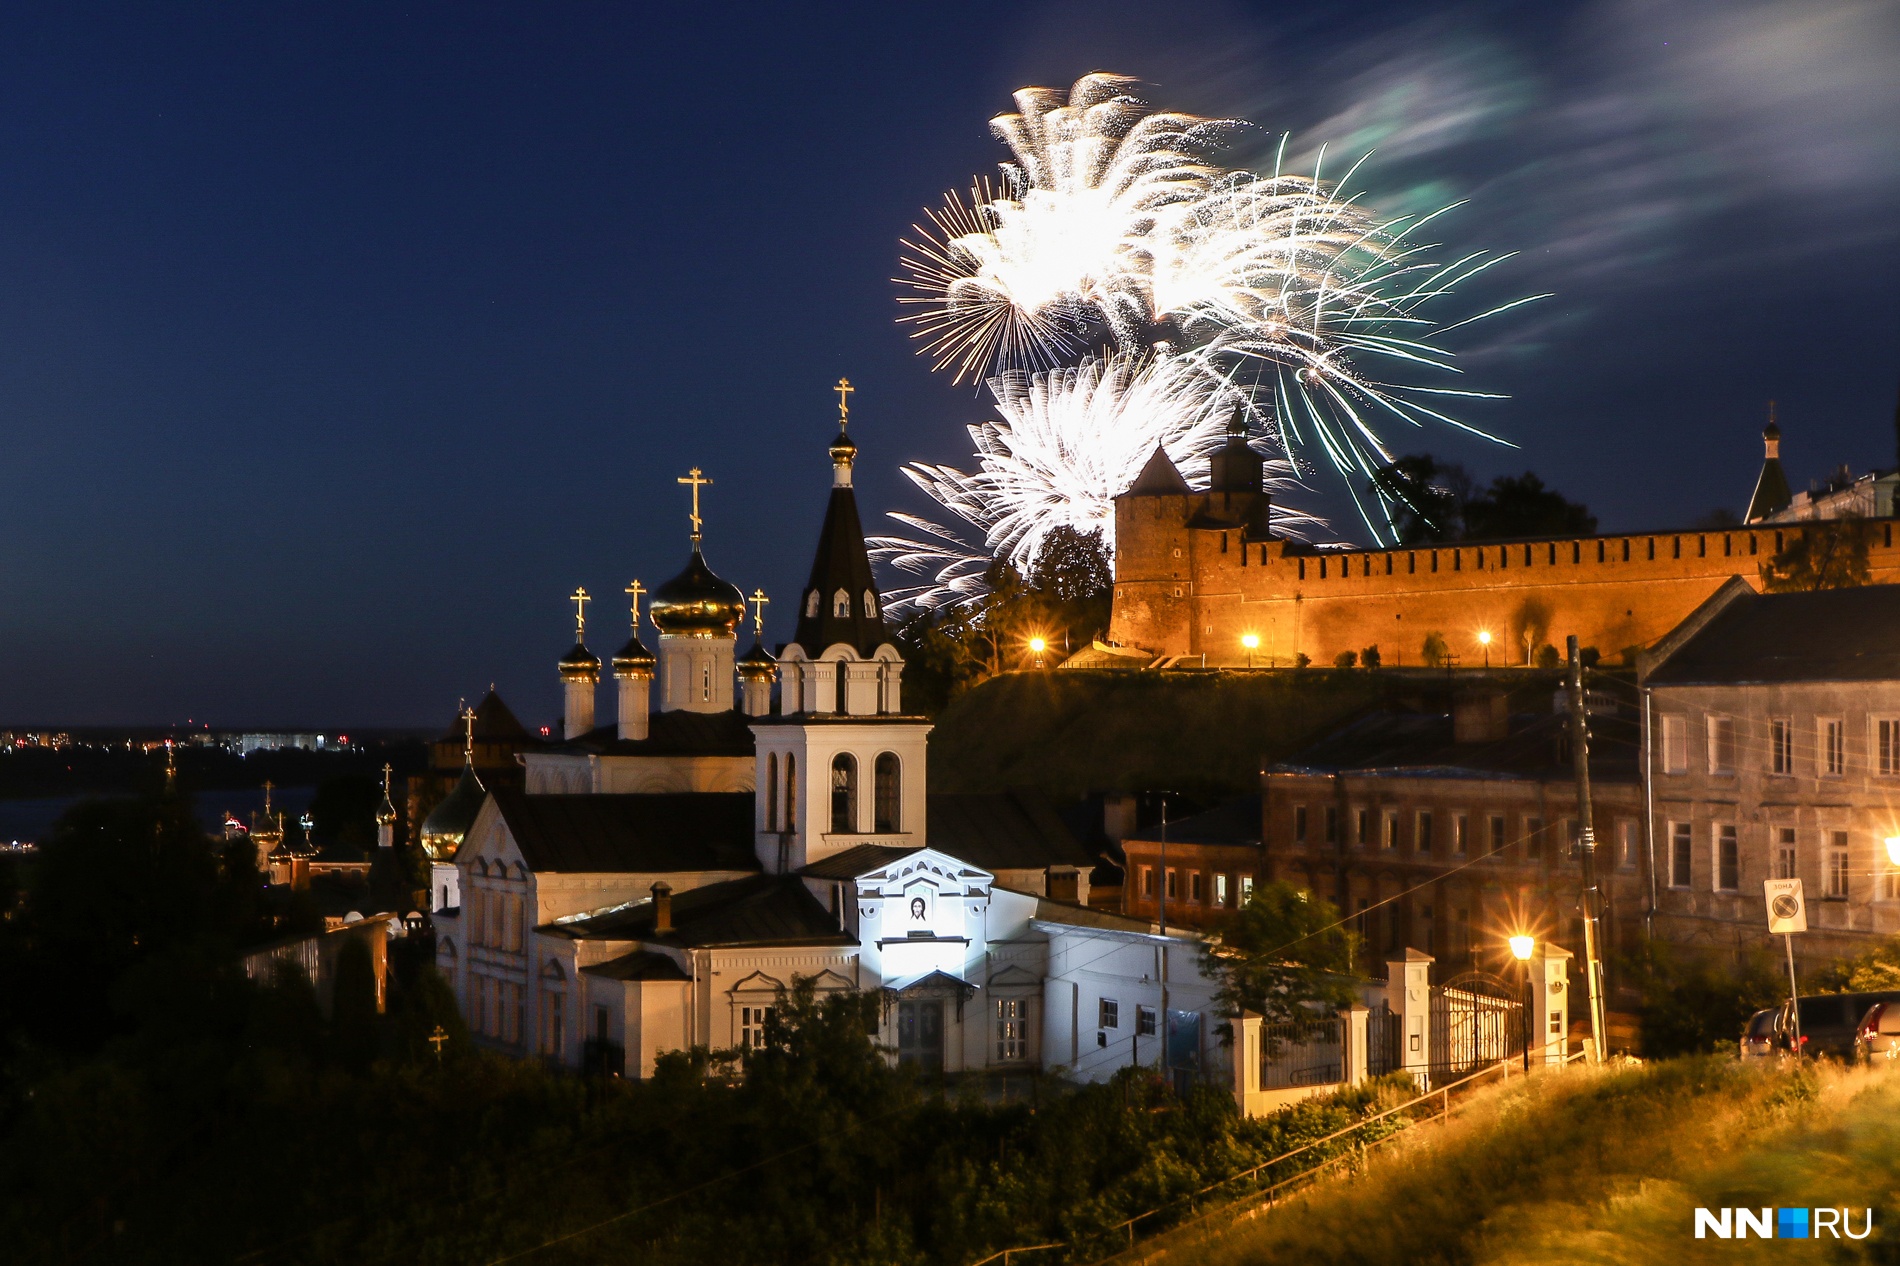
(1012, 1030)
(1681, 853)
(1144, 1021)
(1780, 746)
(1220, 891)
(1675, 743)
(1833, 743)
(1108, 1013)
(752, 1022)
(1785, 859)
(1837, 865)
(1246, 889)
(1728, 858)
(1887, 747)
(1721, 745)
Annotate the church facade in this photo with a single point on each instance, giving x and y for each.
(656, 882)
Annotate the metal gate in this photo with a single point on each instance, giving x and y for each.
(1383, 1038)
(1477, 1019)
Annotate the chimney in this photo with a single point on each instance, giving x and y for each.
(662, 909)
(1065, 884)
(1480, 717)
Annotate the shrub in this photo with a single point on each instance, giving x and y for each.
(1345, 659)
(1369, 657)
(1434, 649)
(1547, 656)
(1302, 660)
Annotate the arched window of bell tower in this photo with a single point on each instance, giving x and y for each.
(844, 794)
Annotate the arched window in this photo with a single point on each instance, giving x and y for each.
(844, 794)
(771, 791)
(791, 792)
(844, 680)
(887, 792)
(870, 603)
(841, 603)
(811, 603)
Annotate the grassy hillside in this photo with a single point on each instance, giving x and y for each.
(1071, 733)
(1601, 1167)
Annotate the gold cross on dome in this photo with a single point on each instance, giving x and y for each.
(844, 389)
(694, 478)
(468, 735)
(759, 602)
(634, 591)
(387, 769)
(580, 598)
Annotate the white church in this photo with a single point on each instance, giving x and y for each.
(659, 880)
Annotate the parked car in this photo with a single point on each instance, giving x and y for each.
(1879, 1033)
(1758, 1035)
(1830, 1022)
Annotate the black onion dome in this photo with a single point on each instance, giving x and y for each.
(634, 655)
(447, 824)
(697, 603)
(757, 658)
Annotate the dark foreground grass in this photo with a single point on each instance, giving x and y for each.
(1604, 1167)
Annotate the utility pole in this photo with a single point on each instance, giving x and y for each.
(1587, 850)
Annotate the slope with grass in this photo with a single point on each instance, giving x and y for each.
(1599, 1167)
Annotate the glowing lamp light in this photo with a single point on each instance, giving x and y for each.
(1484, 638)
(1037, 645)
(1893, 849)
(1521, 947)
(1251, 641)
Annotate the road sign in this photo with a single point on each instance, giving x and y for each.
(1787, 912)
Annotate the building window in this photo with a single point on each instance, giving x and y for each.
(1681, 853)
(1675, 744)
(752, 1022)
(1721, 745)
(1389, 837)
(1626, 844)
(844, 682)
(553, 1029)
(1108, 1013)
(1012, 1030)
(841, 604)
(791, 792)
(1332, 824)
(1833, 747)
(1299, 824)
(1173, 889)
(1246, 889)
(1837, 865)
(1887, 744)
(1497, 835)
(1220, 891)
(1890, 883)
(705, 681)
(1423, 827)
(1728, 858)
(1461, 835)
(1534, 838)
(771, 791)
(844, 793)
(886, 789)
(1784, 853)
(1362, 827)
(1147, 881)
(1194, 886)
(1780, 746)
(1144, 1021)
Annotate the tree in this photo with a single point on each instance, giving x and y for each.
(1520, 505)
(353, 1019)
(1345, 659)
(1827, 555)
(1426, 498)
(1279, 953)
(1073, 566)
(1370, 657)
(1434, 649)
(343, 814)
(1693, 1001)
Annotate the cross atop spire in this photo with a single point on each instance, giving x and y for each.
(580, 598)
(633, 592)
(844, 390)
(694, 478)
(759, 602)
(468, 735)
(387, 770)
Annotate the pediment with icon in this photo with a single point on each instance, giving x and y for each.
(922, 894)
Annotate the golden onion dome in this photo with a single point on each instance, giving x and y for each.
(697, 603)
(447, 824)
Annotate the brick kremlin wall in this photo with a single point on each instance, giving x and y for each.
(1198, 590)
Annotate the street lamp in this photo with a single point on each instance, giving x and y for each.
(1521, 947)
(1893, 849)
(1036, 647)
(1484, 640)
(1252, 642)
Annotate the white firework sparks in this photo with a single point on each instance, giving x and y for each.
(1113, 216)
(1066, 443)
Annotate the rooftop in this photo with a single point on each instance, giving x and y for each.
(1823, 635)
(651, 834)
(755, 910)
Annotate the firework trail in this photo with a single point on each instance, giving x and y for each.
(1066, 442)
(1116, 223)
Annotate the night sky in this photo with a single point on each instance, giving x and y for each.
(338, 344)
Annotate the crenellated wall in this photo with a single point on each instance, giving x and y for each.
(1193, 590)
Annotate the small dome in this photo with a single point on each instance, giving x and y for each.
(580, 660)
(696, 603)
(634, 655)
(757, 661)
(443, 830)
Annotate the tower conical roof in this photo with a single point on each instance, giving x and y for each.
(1771, 488)
(840, 602)
(1159, 478)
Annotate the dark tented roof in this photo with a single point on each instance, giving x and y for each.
(756, 910)
(1771, 489)
(841, 563)
(859, 860)
(1002, 831)
(1236, 822)
(1824, 635)
(494, 723)
(682, 831)
(676, 733)
(1159, 478)
(639, 965)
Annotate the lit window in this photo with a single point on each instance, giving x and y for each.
(752, 1022)
(1626, 844)
(1220, 891)
(1012, 1029)
(1246, 889)
(1389, 838)
(1461, 835)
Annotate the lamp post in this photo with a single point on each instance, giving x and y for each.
(1521, 947)
(1252, 642)
(1036, 647)
(1484, 640)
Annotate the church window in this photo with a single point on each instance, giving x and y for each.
(811, 603)
(1701, 547)
(886, 793)
(1676, 545)
(1144, 1021)
(791, 792)
(841, 603)
(1365, 565)
(1322, 569)
(844, 680)
(1527, 556)
(1652, 549)
(1108, 1013)
(1728, 545)
(1177, 592)
(771, 791)
(844, 794)
(1388, 564)
(1012, 1029)
(1434, 560)
(1553, 554)
(752, 1022)
(870, 603)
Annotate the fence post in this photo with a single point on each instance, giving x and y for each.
(1408, 991)
(1353, 1063)
(1550, 976)
(1248, 1054)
